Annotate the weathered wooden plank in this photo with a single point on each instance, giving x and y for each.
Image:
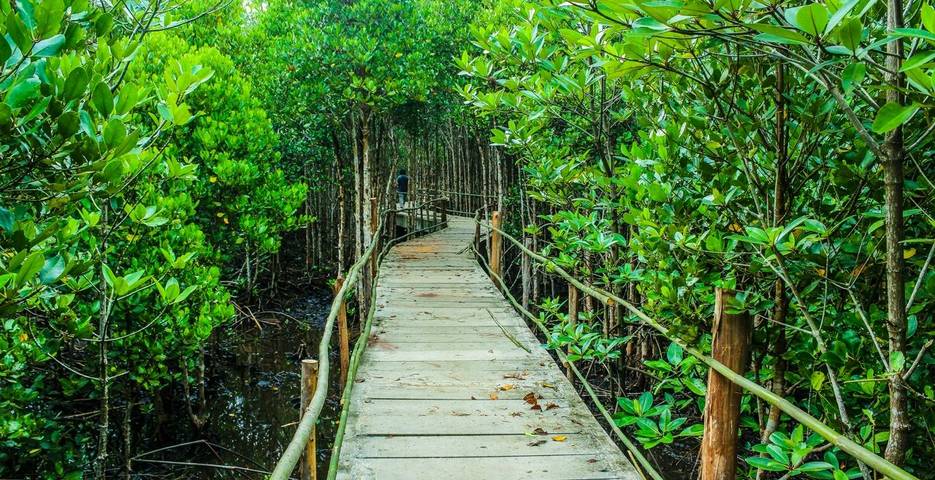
(566, 467)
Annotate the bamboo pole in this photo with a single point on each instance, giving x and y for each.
(343, 334)
(874, 461)
(309, 385)
(293, 452)
(730, 345)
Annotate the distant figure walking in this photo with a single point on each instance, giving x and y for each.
(402, 186)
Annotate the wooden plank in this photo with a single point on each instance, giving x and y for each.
(566, 467)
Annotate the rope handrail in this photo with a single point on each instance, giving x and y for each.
(874, 461)
(303, 431)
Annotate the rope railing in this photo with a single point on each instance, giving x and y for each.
(293, 452)
(872, 460)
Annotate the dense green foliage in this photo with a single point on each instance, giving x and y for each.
(160, 163)
(673, 147)
(138, 172)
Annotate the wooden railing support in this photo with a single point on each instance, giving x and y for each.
(572, 321)
(344, 337)
(526, 272)
(477, 231)
(443, 205)
(496, 242)
(374, 219)
(730, 345)
(309, 468)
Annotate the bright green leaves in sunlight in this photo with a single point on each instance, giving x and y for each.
(892, 115)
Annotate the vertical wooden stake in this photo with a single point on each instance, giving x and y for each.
(309, 466)
(477, 232)
(343, 334)
(374, 218)
(444, 207)
(730, 345)
(572, 321)
(495, 243)
(526, 274)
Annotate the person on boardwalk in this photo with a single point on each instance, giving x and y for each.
(402, 186)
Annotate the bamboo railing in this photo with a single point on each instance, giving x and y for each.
(303, 433)
(872, 460)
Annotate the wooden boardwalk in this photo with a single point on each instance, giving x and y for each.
(445, 391)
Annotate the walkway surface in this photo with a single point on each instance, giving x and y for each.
(447, 389)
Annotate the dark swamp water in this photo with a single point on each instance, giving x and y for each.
(253, 377)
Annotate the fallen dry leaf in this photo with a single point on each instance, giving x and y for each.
(536, 443)
(530, 398)
(548, 385)
(540, 431)
(506, 387)
(559, 438)
(494, 396)
(551, 405)
(517, 376)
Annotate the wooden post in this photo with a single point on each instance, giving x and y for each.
(309, 465)
(477, 232)
(444, 208)
(526, 272)
(495, 243)
(572, 321)
(730, 345)
(343, 334)
(374, 218)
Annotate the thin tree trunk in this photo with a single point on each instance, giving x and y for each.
(895, 291)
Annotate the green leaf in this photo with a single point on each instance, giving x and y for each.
(776, 34)
(812, 19)
(102, 98)
(897, 362)
(22, 92)
(917, 60)
(892, 115)
(674, 353)
(853, 75)
(928, 17)
(817, 380)
(49, 17)
(839, 15)
(49, 47)
(52, 270)
(75, 84)
(30, 268)
(851, 33)
(114, 133)
(6, 219)
(914, 33)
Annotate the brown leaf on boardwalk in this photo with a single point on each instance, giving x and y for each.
(540, 431)
(548, 385)
(536, 443)
(530, 398)
(506, 387)
(551, 405)
(559, 438)
(494, 396)
(536, 407)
